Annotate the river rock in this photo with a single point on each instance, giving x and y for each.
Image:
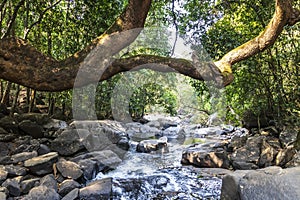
(55, 124)
(49, 181)
(31, 128)
(267, 155)
(43, 149)
(69, 141)
(20, 157)
(27, 185)
(288, 136)
(141, 131)
(3, 196)
(100, 189)
(9, 124)
(42, 193)
(3, 174)
(37, 118)
(13, 187)
(147, 146)
(15, 170)
(67, 186)
(89, 168)
(42, 164)
(250, 152)
(285, 155)
(105, 159)
(69, 169)
(268, 183)
(205, 157)
(72, 195)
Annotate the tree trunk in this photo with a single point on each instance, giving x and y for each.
(5, 97)
(23, 64)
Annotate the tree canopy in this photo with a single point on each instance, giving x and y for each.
(22, 63)
(44, 43)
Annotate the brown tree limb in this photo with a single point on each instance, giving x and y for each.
(23, 64)
(284, 15)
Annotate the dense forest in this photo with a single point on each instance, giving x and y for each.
(265, 85)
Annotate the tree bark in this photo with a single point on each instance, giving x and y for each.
(23, 64)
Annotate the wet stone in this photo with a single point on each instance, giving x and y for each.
(20, 157)
(49, 181)
(67, 186)
(13, 187)
(72, 195)
(15, 170)
(42, 164)
(42, 191)
(69, 169)
(100, 189)
(27, 185)
(3, 175)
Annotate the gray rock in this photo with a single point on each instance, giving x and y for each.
(267, 155)
(288, 136)
(206, 157)
(147, 146)
(42, 193)
(13, 187)
(27, 185)
(4, 190)
(3, 174)
(3, 196)
(43, 149)
(15, 170)
(67, 186)
(49, 181)
(101, 189)
(250, 152)
(32, 129)
(42, 164)
(55, 124)
(9, 124)
(69, 169)
(243, 165)
(37, 118)
(285, 155)
(20, 157)
(69, 142)
(89, 168)
(104, 159)
(72, 195)
(269, 183)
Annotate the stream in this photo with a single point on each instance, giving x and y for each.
(160, 175)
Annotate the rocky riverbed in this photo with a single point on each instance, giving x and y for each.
(166, 158)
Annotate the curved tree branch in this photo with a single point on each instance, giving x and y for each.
(284, 15)
(23, 64)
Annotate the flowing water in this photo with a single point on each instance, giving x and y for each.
(146, 176)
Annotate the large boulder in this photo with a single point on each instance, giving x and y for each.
(42, 193)
(32, 129)
(67, 186)
(69, 169)
(13, 187)
(202, 156)
(20, 157)
(9, 124)
(147, 146)
(105, 159)
(42, 164)
(101, 189)
(69, 141)
(268, 183)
